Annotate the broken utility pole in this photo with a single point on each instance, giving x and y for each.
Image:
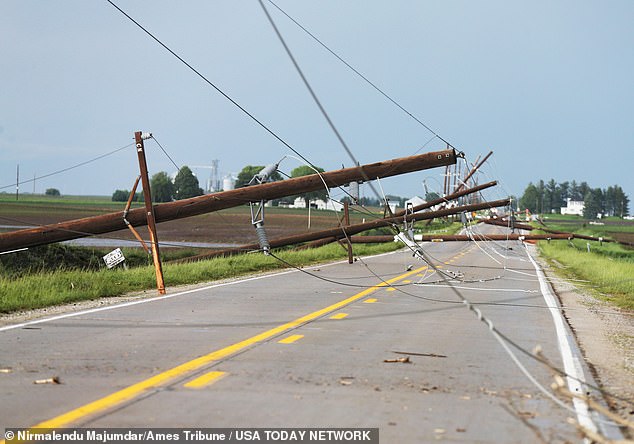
(346, 231)
(227, 199)
(149, 209)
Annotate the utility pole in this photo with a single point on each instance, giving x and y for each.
(106, 223)
(17, 183)
(344, 231)
(346, 222)
(147, 197)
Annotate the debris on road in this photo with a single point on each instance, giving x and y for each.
(404, 360)
(53, 380)
(346, 380)
(429, 355)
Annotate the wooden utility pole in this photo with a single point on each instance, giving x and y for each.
(17, 182)
(218, 201)
(473, 171)
(346, 222)
(149, 210)
(337, 233)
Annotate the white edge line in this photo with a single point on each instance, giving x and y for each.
(572, 364)
(168, 296)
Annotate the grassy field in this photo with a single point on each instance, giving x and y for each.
(609, 267)
(66, 286)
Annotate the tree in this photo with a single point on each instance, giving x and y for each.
(313, 195)
(247, 173)
(52, 192)
(120, 196)
(592, 203)
(575, 192)
(162, 187)
(186, 184)
(530, 198)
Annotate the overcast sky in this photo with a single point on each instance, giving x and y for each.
(547, 85)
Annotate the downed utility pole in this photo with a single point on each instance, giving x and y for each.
(459, 238)
(345, 231)
(521, 226)
(227, 199)
(473, 171)
(416, 208)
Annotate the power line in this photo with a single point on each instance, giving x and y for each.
(315, 98)
(357, 72)
(71, 167)
(206, 80)
(165, 152)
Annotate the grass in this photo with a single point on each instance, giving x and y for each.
(610, 279)
(44, 289)
(609, 268)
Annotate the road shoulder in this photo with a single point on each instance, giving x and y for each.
(605, 335)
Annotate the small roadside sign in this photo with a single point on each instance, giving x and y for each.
(114, 258)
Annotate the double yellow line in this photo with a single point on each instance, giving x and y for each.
(181, 371)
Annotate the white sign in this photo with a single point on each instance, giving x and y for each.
(114, 258)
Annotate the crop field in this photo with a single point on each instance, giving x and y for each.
(232, 225)
(59, 273)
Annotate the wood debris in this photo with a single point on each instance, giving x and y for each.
(404, 360)
(53, 380)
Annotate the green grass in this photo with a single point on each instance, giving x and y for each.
(608, 268)
(66, 286)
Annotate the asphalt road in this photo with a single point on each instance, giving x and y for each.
(307, 349)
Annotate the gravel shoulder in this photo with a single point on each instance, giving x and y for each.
(605, 335)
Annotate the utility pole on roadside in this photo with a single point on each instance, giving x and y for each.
(17, 182)
(147, 197)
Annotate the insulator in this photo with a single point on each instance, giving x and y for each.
(265, 172)
(146, 136)
(263, 240)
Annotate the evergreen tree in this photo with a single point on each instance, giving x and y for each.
(575, 191)
(592, 203)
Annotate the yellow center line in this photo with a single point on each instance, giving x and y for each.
(135, 390)
(370, 301)
(205, 380)
(339, 316)
(290, 339)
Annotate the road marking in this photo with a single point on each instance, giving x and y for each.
(168, 296)
(180, 371)
(339, 316)
(407, 281)
(370, 301)
(571, 361)
(290, 339)
(205, 380)
(390, 289)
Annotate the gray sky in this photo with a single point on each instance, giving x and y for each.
(546, 85)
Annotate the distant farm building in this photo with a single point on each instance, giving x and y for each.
(574, 207)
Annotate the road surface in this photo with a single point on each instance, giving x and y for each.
(308, 349)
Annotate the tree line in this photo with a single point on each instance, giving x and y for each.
(186, 185)
(549, 197)
(164, 189)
